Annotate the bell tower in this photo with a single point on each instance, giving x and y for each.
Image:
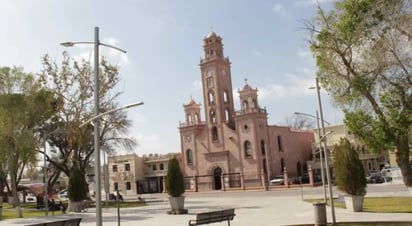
(217, 87)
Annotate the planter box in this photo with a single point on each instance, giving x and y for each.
(177, 205)
(354, 203)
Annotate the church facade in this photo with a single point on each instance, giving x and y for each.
(235, 149)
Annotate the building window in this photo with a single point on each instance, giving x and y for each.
(128, 185)
(114, 168)
(214, 133)
(227, 115)
(280, 146)
(225, 96)
(189, 156)
(116, 186)
(263, 147)
(154, 167)
(127, 167)
(248, 148)
(161, 167)
(213, 116)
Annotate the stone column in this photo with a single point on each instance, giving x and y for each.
(285, 174)
(222, 180)
(310, 172)
(164, 184)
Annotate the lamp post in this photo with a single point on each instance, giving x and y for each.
(322, 168)
(96, 44)
(332, 206)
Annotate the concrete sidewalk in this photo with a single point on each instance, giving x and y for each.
(259, 208)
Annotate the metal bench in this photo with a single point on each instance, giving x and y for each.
(213, 217)
(67, 222)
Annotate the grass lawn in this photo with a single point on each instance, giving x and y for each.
(379, 204)
(29, 209)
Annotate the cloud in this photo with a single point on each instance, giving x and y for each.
(256, 52)
(167, 20)
(314, 2)
(295, 86)
(304, 53)
(279, 9)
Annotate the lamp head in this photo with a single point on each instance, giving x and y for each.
(67, 44)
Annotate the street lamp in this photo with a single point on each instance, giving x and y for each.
(96, 44)
(322, 168)
(332, 206)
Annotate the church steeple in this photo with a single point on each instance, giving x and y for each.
(217, 86)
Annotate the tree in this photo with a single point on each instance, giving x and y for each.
(363, 54)
(77, 189)
(175, 185)
(300, 122)
(349, 172)
(24, 105)
(73, 85)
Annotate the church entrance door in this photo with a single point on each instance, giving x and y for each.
(217, 174)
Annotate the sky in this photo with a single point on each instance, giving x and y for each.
(264, 40)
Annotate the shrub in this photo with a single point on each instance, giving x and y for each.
(77, 189)
(174, 179)
(349, 173)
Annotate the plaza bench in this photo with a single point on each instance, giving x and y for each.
(213, 217)
(67, 222)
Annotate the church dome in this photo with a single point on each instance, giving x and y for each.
(211, 34)
(191, 102)
(247, 87)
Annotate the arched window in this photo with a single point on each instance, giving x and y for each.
(214, 133)
(213, 116)
(227, 115)
(263, 147)
(211, 98)
(189, 156)
(248, 148)
(245, 105)
(225, 96)
(197, 118)
(189, 118)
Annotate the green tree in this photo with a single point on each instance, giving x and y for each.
(24, 105)
(362, 50)
(174, 179)
(349, 172)
(77, 189)
(72, 83)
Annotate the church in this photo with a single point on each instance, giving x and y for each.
(235, 149)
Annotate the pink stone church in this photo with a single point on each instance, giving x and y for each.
(235, 149)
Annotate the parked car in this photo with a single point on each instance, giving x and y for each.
(374, 179)
(279, 179)
(63, 195)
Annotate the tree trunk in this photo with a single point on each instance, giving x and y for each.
(402, 158)
(13, 182)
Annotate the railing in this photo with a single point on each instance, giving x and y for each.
(182, 124)
(251, 110)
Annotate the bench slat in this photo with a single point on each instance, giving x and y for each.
(68, 222)
(213, 217)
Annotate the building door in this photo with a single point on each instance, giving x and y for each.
(217, 174)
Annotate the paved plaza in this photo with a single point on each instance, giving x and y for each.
(260, 208)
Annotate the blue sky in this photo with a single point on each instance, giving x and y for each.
(264, 40)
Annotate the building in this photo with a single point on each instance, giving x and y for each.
(371, 161)
(131, 174)
(235, 149)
